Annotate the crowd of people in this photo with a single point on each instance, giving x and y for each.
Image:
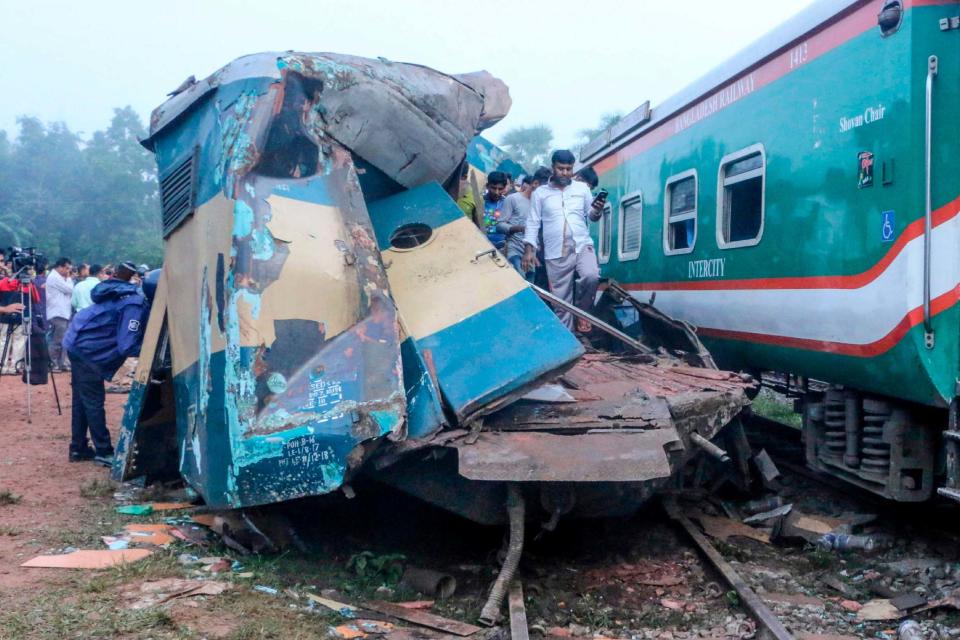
(85, 320)
(540, 222)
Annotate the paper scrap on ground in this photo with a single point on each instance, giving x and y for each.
(723, 528)
(170, 506)
(88, 559)
(881, 609)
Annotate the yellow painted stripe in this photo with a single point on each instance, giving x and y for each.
(189, 249)
(437, 285)
(315, 282)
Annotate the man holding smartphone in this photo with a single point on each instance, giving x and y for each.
(561, 207)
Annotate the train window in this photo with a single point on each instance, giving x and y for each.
(605, 234)
(740, 198)
(631, 226)
(680, 213)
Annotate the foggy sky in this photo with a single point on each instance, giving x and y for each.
(566, 62)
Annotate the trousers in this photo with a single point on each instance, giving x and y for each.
(88, 413)
(561, 272)
(58, 355)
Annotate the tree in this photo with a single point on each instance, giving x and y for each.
(607, 120)
(529, 145)
(93, 201)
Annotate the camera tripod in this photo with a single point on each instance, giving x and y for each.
(26, 325)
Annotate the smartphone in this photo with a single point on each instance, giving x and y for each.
(601, 197)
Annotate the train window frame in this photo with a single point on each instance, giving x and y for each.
(723, 183)
(632, 198)
(605, 229)
(689, 215)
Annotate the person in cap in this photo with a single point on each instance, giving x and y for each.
(98, 341)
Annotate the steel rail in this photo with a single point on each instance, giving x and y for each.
(748, 596)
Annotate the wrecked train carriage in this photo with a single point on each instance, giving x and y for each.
(272, 363)
(325, 302)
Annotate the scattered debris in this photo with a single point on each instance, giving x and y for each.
(518, 613)
(909, 601)
(265, 589)
(723, 528)
(362, 628)
(135, 509)
(844, 542)
(762, 504)
(910, 630)
(768, 470)
(880, 609)
(429, 582)
(88, 559)
(773, 514)
(345, 610)
(157, 592)
(416, 604)
(423, 618)
(170, 506)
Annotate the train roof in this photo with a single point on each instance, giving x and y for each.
(644, 119)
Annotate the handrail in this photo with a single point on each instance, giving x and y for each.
(928, 210)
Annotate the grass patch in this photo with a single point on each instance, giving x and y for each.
(96, 488)
(9, 497)
(10, 530)
(775, 407)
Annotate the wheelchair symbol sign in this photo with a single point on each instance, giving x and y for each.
(887, 231)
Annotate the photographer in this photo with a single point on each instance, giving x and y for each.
(98, 341)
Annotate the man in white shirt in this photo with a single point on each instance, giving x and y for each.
(562, 207)
(59, 289)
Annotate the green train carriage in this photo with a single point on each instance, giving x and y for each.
(800, 206)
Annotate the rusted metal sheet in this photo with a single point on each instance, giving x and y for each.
(547, 457)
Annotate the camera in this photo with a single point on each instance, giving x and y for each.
(23, 257)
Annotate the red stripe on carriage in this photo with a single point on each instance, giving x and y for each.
(869, 350)
(913, 231)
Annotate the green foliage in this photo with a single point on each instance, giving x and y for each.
(607, 120)
(91, 200)
(776, 407)
(529, 146)
(367, 564)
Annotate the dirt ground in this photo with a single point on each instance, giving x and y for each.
(637, 577)
(46, 487)
(51, 505)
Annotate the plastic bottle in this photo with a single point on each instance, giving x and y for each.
(910, 630)
(844, 542)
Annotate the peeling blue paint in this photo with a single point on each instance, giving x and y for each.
(242, 219)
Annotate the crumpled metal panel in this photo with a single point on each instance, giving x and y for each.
(457, 295)
(547, 457)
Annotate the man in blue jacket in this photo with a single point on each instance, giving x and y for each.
(98, 341)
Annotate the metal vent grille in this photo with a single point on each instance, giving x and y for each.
(178, 194)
